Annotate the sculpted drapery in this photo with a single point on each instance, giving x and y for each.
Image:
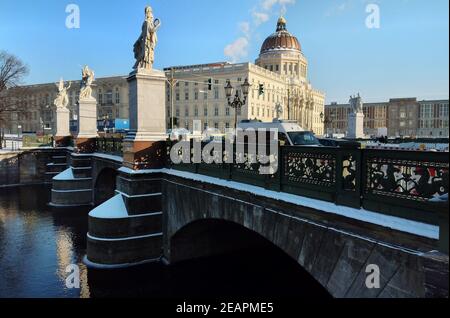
(144, 48)
(86, 83)
(62, 100)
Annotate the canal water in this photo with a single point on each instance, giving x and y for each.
(38, 243)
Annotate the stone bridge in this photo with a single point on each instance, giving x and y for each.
(174, 213)
(342, 214)
(88, 180)
(171, 216)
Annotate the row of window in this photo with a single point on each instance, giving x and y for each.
(288, 68)
(205, 112)
(107, 97)
(438, 123)
(189, 126)
(430, 111)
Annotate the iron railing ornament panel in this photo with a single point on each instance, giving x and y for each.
(406, 179)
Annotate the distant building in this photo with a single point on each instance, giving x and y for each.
(37, 107)
(337, 118)
(405, 117)
(281, 69)
(433, 118)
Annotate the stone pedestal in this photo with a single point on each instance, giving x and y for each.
(144, 146)
(62, 134)
(355, 126)
(87, 125)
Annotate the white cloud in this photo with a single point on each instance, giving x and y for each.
(244, 27)
(237, 50)
(338, 8)
(260, 18)
(260, 14)
(268, 4)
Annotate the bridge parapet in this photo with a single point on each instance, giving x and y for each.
(405, 184)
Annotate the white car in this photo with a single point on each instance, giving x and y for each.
(289, 132)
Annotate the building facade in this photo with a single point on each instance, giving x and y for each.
(400, 117)
(375, 118)
(37, 113)
(433, 119)
(403, 117)
(199, 94)
(281, 69)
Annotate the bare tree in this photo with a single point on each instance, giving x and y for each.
(12, 72)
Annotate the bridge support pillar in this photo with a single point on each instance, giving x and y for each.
(127, 229)
(73, 187)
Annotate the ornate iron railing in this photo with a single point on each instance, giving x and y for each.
(37, 141)
(107, 145)
(401, 183)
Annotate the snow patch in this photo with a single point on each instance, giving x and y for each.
(388, 221)
(114, 208)
(65, 175)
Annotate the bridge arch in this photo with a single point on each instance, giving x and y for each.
(105, 185)
(337, 259)
(259, 262)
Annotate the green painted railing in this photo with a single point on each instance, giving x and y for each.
(37, 141)
(109, 145)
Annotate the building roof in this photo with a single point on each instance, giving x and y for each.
(281, 40)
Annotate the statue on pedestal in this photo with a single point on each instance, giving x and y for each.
(62, 100)
(356, 118)
(144, 48)
(356, 104)
(278, 110)
(86, 83)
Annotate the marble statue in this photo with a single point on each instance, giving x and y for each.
(356, 104)
(278, 110)
(62, 100)
(144, 48)
(86, 83)
(356, 118)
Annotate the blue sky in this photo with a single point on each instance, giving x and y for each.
(407, 56)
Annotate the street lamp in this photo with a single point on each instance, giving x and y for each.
(237, 103)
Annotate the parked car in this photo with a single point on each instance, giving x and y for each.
(339, 143)
(289, 132)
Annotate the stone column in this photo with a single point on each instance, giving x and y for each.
(87, 125)
(355, 125)
(144, 146)
(62, 134)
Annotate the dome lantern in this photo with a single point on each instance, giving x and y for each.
(281, 39)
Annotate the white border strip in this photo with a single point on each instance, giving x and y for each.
(139, 195)
(387, 221)
(71, 191)
(124, 239)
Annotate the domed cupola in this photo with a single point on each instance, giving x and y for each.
(281, 40)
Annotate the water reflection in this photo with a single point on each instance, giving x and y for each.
(37, 244)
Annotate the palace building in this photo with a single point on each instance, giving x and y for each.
(281, 70)
(37, 113)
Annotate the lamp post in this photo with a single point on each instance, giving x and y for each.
(237, 103)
